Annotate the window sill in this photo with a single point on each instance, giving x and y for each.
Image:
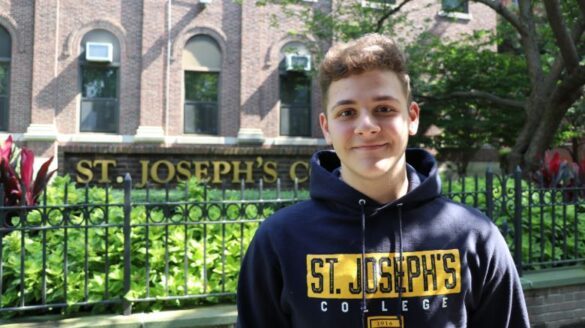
(295, 141)
(455, 15)
(376, 5)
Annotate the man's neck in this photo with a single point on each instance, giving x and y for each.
(383, 189)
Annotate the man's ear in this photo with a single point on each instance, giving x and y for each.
(413, 116)
(324, 127)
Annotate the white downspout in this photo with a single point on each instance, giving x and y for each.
(168, 72)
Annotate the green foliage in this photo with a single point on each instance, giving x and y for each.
(181, 247)
(465, 66)
(553, 226)
(178, 248)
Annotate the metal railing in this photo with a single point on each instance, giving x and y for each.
(544, 226)
(97, 248)
(126, 251)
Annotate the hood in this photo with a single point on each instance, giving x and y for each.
(423, 182)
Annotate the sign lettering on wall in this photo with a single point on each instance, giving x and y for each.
(164, 171)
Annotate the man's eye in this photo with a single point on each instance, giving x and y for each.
(384, 109)
(346, 113)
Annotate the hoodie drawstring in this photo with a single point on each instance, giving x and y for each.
(400, 259)
(364, 309)
(363, 277)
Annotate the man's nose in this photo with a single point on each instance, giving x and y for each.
(366, 124)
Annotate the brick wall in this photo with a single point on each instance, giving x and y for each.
(16, 17)
(556, 307)
(45, 78)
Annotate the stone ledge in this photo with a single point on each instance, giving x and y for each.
(217, 316)
(551, 278)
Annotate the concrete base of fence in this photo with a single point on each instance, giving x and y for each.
(554, 298)
(217, 316)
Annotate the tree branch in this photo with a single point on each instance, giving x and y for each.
(496, 100)
(508, 15)
(557, 67)
(571, 88)
(582, 6)
(389, 13)
(562, 36)
(532, 50)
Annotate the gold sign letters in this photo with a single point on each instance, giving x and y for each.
(215, 171)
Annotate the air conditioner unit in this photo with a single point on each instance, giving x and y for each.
(99, 52)
(298, 62)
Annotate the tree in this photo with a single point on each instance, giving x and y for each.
(556, 69)
(442, 88)
(548, 34)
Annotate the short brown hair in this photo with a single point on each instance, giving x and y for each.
(370, 52)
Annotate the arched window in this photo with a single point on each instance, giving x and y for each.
(202, 65)
(100, 84)
(295, 90)
(5, 56)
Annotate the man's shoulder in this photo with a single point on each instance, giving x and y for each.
(462, 217)
(289, 215)
(464, 211)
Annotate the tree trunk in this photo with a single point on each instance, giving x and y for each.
(534, 105)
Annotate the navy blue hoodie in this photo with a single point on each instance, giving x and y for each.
(341, 259)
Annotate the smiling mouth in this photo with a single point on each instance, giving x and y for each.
(370, 147)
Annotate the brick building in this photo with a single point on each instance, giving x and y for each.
(145, 76)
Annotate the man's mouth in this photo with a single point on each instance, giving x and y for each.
(370, 146)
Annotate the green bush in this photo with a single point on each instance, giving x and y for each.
(192, 250)
(553, 225)
(182, 248)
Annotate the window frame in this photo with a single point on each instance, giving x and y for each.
(198, 67)
(85, 64)
(191, 102)
(291, 107)
(5, 114)
(461, 15)
(4, 125)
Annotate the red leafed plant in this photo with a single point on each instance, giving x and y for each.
(16, 177)
(557, 173)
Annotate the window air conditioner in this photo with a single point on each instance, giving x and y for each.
(99, 52)
(298, 62)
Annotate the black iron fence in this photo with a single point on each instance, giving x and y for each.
(100, 247)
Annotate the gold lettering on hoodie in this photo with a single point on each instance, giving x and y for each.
(424, 273)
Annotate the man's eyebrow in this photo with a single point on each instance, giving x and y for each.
(384, 98)
(344, 102)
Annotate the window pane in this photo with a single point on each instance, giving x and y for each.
(99, 115)
(4, 79)
(99, 82)
(202, 51)
(295, 104)
(5, 44)
(201, 117)
(201, 86)
(201, 102)
(455, 5)
(383, 2)
(3, 113)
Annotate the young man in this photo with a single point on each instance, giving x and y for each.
(377, 245)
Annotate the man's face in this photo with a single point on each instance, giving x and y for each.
(368, 122)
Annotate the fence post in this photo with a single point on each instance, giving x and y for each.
(127, 305)
(489, 193)
(518, 219)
